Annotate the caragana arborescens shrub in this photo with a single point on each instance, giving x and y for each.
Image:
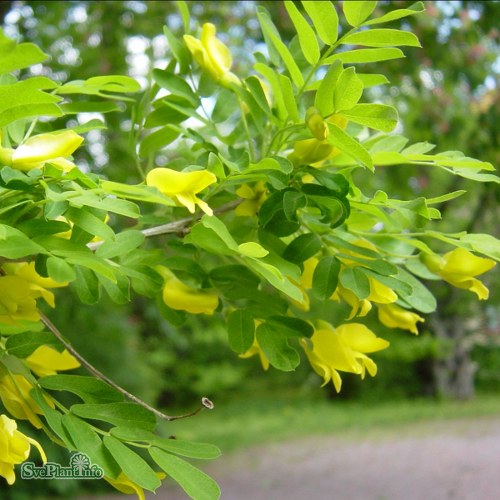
(260, 214)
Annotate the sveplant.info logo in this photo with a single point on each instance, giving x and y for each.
(80, 467)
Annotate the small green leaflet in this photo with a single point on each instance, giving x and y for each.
(15, 56)
(274, 343)
(240, 330)
(325, 277)
(357, 11)
(193, 481)
(325, 19)
(307, 37)
(382, 38)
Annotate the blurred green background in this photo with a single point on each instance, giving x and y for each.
(446, 94)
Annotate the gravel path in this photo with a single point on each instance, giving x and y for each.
(454, 460)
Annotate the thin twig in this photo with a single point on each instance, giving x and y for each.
(205, 402)
(174, 227)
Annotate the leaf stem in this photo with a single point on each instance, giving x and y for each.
(205, 403)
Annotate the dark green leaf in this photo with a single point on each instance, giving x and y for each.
(274, 343)
(240, 330)
(325, 277)
(302, 248)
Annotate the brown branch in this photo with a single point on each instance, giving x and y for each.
(177, 226)
(205, 402)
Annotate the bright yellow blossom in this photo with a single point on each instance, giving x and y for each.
(124, 485)
(212, 55)
(394, 316)
(459, 268)
(182, 186)
(47, 361)
(182, 297)
(15, 396)
(255, 349)
(53, 147)
(331, 350)
(14, 448)
(16, 301)
(254, 198)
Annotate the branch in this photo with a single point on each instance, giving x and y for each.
(205, 402)
(176, 226)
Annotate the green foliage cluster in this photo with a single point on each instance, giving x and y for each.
(286, 227)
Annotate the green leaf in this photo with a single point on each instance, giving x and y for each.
(357, 11)
(25, 343)
(275, 277)
(366, 55)
(420, 297)
(373, 80)
(178, 49)
(176, 85)
(193, 481)
(272, 77)
(122, 413)
(349, 145)
(483, 243)
(376, 116)
(89, 389)
(123, 244)
(302, 248)
(325, 277)
(139, 192)
(60, 270)
(252, 249)
(158, 140)
(325, 19)
(15, 56)
(204, 451)
(257, 92)
(101, 85)
(274, 218)
(86, 285)
(289, 98)
(119, 290)
(348, 90)
(336, 183)
(73, 108)
(274, 343)
(89, 222)
(307, 37)
(354, 279)
(416, 8)
(381, 38)
(270, 30)
(26, 98)
(14, 244)
(88, 441)
(326, 91)
(133, 466)
(291, 327)
(240, 330)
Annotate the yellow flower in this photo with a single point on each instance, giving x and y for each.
(182, 297)
(379, 293)
(459, 267)
(15, 395)
(16, 301)
(182, 186)
(14, 448)
(254, 198)
(124, 485)
(394, 316)
(310, 151)
(38, 284)
(53, 147)
(212, 55)
(342, 349)
(255, 349)
(47, 361)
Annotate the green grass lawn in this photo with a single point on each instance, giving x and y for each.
(247, 422)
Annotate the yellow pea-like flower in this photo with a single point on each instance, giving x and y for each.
(331, 350)
(394, 316)
(255, 349)
(182, 187)
(212, 55)
(254, 198)
(52, 147)
(459, 268)
(182, 297)
(14, 448)
(15, 395)
(47, 361)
